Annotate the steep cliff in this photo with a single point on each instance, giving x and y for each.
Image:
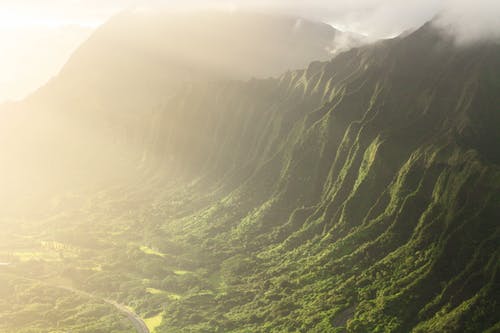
(361, 194)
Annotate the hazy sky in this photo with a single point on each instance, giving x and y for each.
(37, 36)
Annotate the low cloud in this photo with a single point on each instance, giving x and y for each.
(467, 20)
(470, 21)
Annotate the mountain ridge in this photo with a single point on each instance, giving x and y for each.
(113, 83)
(360, 194)
(360, 191)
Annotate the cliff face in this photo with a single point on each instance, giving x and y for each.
(364, 191)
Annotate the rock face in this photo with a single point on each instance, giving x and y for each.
(361, 194)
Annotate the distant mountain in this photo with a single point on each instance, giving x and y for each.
(193, 45)
(138, 55)
(104, 96)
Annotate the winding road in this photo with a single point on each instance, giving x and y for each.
(139, 324)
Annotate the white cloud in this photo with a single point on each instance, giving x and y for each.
(471, 20)
(468, 20)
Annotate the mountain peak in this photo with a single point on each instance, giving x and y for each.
(216, 44)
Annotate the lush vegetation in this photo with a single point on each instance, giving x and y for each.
(359, 195)
(33, 306)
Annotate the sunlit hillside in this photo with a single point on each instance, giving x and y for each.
(207, 171)
(89, 124)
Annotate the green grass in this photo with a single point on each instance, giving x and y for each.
(171, 296)
(153, 322)
(150, 251)
(154, 291)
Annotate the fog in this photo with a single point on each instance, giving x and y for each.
(37, 37)
(471, 21)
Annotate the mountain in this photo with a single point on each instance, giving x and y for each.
(186, 46)
(105, 94)
(361, 194)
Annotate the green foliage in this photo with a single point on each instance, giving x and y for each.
(352, 196)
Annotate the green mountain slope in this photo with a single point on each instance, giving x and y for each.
(361, 194)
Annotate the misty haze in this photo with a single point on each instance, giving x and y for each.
(249, 166)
